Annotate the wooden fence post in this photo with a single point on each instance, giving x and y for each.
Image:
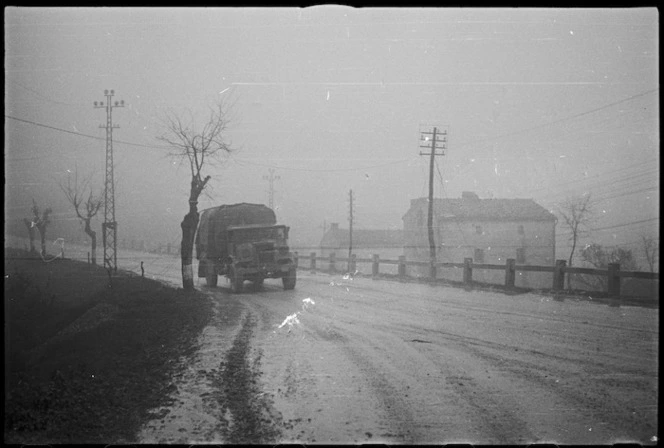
(374, 266)
(402, 267)
(333, 267)
(510, 272)
(468, 271)
(313, 262)
(559, 275)
(352, 263)
(613, 280)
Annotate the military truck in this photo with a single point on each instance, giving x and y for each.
(243, 242)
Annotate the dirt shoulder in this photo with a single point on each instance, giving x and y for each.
(85, 362)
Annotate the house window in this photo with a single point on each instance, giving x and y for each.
(520, 230)
(478, 230)
(521, 255)
(479, 256)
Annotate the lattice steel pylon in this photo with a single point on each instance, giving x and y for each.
(271, 178)
(110, 225)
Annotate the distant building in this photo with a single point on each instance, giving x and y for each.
(487, 230)
(387, 243)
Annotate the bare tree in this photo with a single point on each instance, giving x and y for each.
(600, 258)
(84, 210)
(41, 222)
(651, 250)
(196, 147)
(577, 214)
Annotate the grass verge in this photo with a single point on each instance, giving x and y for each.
(85, 363)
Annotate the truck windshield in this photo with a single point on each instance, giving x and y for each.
(260, 234)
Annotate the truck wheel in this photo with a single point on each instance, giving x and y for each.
(289, 279)
(210, 275)
(236, 280)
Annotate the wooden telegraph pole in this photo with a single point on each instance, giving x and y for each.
(434, 140)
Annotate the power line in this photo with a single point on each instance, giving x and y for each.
(244, 161)
(624, 224)
(648, 162)
(606, 106)
(599, 229)
(42, 96)
(237, 160)
(85, 135)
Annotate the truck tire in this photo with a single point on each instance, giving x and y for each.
(289, 279)
(210, 275)
(236, 280)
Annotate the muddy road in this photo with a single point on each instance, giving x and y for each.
(380, 361)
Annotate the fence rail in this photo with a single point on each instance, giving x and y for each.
(559, 270)
(613, 274)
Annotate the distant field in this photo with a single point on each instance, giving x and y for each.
(85, 362)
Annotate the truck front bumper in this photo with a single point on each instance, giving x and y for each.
(265, 271)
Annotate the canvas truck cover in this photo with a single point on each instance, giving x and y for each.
(211, 235)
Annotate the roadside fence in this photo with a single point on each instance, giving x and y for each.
(335, 264)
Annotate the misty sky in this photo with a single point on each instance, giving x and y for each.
(537, 103)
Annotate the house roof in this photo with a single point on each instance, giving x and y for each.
(472, 207)
(336, 238)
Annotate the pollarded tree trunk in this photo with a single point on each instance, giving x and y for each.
(42, 235)
(93, 241)
(571, 257)
(188, 225)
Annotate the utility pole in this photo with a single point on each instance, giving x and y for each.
(271, 178)
(434, 146)
(110, 225)
(350, 233)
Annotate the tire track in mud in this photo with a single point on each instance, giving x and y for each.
(612, 412)
(494, 420)
(219, 399)
(397, 411)
(248, 412)
(406, 297)
(499, 346)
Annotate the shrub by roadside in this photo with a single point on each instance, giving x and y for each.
(86, 363)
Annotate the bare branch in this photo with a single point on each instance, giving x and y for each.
(197, 147)
(650, 249)
(577, 214)
(75, 194)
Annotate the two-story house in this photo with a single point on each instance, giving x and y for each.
(487, 230)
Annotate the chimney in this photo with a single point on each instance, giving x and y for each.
(469, 196)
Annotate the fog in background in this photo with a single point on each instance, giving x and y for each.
(537, 103)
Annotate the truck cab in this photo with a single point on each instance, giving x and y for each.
(255, 252)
